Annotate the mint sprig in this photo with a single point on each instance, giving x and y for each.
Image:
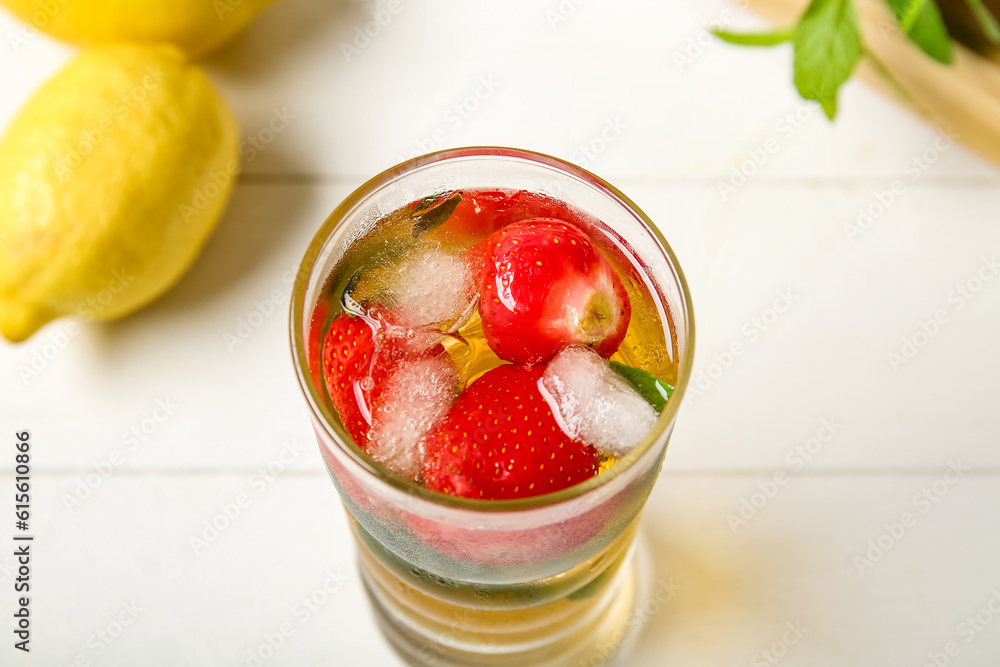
(922, 22)
(828, 45)
(827, 48)
(756, 39)
(431, 212)
(654, 390)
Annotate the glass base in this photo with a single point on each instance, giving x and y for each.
(590, 628)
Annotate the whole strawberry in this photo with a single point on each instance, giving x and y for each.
(546, 286)
(500, 440)
(390, 386)
(357, 360)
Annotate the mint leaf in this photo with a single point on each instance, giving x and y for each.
(906, 11)
(655, 391)
(827, 48)
(431, 212)
(987, 21)
(756, 39)
(922, 23)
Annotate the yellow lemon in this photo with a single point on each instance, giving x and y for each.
(197, 26)
(111, 179)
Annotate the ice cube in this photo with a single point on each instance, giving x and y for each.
(413, 340)
(433, 288)
(415, 398)
(593, 403)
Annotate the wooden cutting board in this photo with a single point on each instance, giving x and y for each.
(962, 98)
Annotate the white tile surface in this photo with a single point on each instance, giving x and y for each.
(684, 129)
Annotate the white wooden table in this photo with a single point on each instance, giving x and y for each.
(811, 482)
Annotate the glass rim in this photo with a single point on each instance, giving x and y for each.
(321, 414)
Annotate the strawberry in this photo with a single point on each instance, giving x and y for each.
(500, 440)
(353, 381)
(314, 344)
(545, 286)
(485, 211)
(390, 384)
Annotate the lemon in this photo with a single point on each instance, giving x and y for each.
(196, 26)
(111, 179)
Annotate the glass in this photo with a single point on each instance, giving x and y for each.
(546, 580)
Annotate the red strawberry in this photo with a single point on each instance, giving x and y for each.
(353, 381)
(500, 440)
(314, 339)
(485, 211)
(547, 286)
(368, 355)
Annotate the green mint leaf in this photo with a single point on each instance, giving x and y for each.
(827, 48)
(921, 21)
(756, 39)
(987, 21)
(655, 391)
(906, 11)
(829, 107)
(431, 212)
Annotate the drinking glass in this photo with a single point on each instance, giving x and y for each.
(549, 580)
